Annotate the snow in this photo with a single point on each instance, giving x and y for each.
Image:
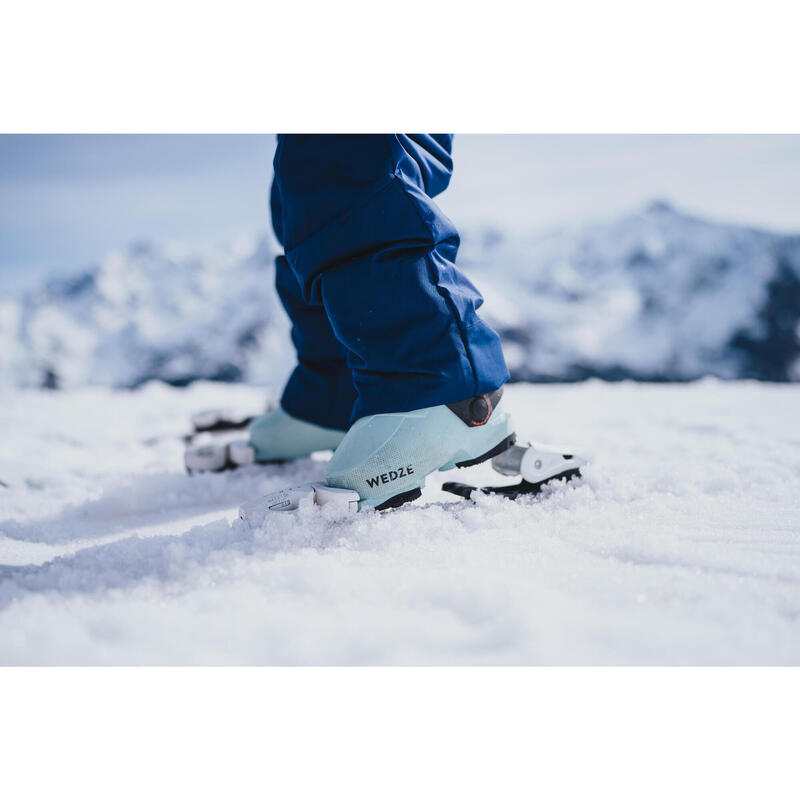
(680, 546)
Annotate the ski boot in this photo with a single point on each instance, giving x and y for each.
(274, 437)
(385, 458)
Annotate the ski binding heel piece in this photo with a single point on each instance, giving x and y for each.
(319, 494)
(537, 465)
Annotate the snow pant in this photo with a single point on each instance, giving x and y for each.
(382, 319)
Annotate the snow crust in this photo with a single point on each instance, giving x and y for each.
(680, 546)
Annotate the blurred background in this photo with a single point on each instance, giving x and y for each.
(129, 258)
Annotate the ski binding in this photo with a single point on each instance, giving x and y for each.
(319, 494)
(537, 464)
(216, 456)
(219, 419)
(213, 421)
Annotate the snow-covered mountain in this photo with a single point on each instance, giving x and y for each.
(655, 295)
(151, 313)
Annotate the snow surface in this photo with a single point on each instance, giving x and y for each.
(680, 546)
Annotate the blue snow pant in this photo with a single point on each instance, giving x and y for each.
(382, 319)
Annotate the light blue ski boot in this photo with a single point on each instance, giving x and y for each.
(278, 436)
(386, 457)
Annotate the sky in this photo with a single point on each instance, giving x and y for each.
(66, 201)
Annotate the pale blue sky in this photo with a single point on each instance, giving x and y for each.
(67, 200)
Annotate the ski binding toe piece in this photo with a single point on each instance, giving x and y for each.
(320, 494)
(537, 465)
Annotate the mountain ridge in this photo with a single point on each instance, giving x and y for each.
(655, 295)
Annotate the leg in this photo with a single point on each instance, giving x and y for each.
(320, 390)
(365, 240)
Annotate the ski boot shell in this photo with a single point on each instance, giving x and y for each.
(278, 436)
(386, 457)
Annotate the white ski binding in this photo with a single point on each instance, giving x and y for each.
(209, 447)
(320, 494)
(214, 421)
(216, 456)
(537, 464)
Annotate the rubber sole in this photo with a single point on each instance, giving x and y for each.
(399, 499)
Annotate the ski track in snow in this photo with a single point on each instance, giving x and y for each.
(680, 546)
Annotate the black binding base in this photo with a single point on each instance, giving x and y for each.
(224, 425)
(220, 426)
(231, 465)
(511, 492)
